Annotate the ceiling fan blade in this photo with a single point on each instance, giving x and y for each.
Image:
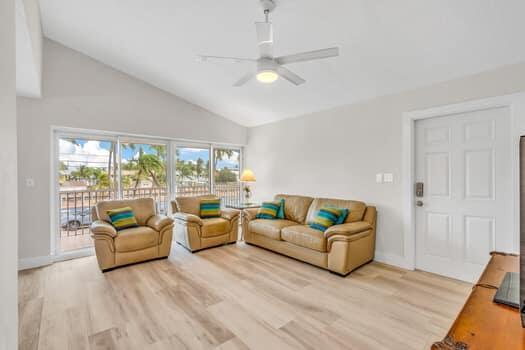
(264, 38)
(308, 56)
(247, 77)
(290, 76)
(223, 59)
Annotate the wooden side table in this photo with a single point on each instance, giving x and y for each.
(483, 324)
(241, 206)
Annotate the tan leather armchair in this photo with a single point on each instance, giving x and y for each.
(340, 249)
(195, 233)
(150, 240)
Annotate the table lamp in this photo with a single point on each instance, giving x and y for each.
(247, 176)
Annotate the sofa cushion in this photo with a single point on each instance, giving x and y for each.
(136, 238)
(304, 236)
(215, 227)
(357, 209)
(269, 228)
(295, 207)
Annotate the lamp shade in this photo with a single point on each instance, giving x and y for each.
(247, 176)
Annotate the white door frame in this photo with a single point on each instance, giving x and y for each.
(516, 105)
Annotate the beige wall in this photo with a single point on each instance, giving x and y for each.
(82, 93)
(336, 153)
(8, 179)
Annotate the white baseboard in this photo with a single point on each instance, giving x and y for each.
(80, 253)
(37, 261)
(393, 259)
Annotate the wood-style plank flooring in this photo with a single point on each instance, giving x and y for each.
(233, 297)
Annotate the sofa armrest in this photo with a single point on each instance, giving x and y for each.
(347, 229)
(99, 227)
(346, 238)
(229, 214)
(189, 218)
(250, 213)
(159, 222)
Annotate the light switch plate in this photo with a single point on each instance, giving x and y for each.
(379, 178)
(388, 177)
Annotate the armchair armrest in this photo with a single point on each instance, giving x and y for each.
(100, 227)
(159, 222)
(250, 213)
(347, 229)
(229, 214)
(190, 218)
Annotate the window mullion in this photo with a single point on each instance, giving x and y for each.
(119, 171)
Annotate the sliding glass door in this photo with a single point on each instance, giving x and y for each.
(207, 169)
(85, 176)
(192, 170)
(95, 167)
(144, 171)
(226, 172)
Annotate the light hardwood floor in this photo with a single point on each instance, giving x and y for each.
(233, 297)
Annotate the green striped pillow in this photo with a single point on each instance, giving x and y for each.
(326, 217)
(210, 208)
(269, 210)
(122, 218)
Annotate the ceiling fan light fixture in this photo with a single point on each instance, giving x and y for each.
(267, 76)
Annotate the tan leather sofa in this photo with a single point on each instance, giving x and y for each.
(195, 233)
(151, 240)
(340, 249)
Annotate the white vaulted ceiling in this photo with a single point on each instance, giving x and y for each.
(386, 46)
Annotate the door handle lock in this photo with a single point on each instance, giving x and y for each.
(419, 203)
(419, 189)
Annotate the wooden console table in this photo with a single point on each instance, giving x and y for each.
(483, 324)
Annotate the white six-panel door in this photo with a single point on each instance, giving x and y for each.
(464, 162)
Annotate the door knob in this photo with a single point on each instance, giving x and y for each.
(419, 203)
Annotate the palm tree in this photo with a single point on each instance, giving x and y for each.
(199, 167)
(83, 172)
(112, 159)
(184, 170)
(148, 164)
(160, 150)
(221, 154)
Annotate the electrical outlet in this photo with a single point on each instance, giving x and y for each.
(30, 182)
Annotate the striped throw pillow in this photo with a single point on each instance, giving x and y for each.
(344, 214)
(325, 217)
(268, 210)
(210, 208)
(280, 213)
(122, 218)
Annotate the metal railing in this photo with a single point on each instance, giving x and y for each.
(75, 206)
(228, 192)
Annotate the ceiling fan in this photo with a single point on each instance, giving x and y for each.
(268, 68)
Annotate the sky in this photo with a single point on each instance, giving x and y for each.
(96, 153)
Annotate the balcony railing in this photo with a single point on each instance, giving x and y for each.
(75, 206)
